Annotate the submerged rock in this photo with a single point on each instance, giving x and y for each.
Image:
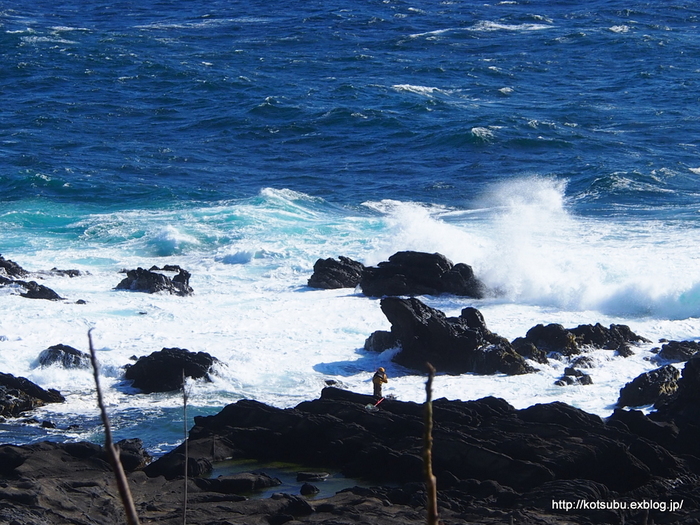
(163, 371)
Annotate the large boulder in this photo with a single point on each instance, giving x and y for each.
(65, 356)
(451, 345)
(341, 273)
(18, 395)
(417, 273)
(650, 387)
(141, 280)
(163, 371)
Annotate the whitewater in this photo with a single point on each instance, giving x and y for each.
(280, 342)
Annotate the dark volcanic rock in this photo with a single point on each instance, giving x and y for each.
(494, 465)
(11, 269)
(417, 273)
(34, 290)
(238, 483)
(553, 338)
(65, 273)
(650, 387)
(574, 376)
(162, 371)
(451, 345)
(340, 273)
(380, 340)
(677, 351)
(18, 394)
(140, 280)
(527, 451)
(682, 407)
(66, 356)
(610, 338)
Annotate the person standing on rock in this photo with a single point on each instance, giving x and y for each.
(379, 379)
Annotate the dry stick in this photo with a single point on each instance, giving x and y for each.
(184, 425)
(430, 481)
(123, 485)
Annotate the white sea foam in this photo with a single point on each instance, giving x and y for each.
(419, 90)
(487, 25)
(280, 341)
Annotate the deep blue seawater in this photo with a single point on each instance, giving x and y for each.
(553, 145)
(131, 104)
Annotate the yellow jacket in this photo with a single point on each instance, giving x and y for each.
(379, 378)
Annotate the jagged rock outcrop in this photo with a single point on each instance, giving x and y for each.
(554, 338)
(336, 273)
(65, 356)
(650, 387)
(454, 345)
(140, 280)
(482, 449)
(163, 371)
(18, 395)
(32, 289)
(11, 269)
(406, 273)
(682, 407)
(494, 465)
(416, 273)
(678, 351)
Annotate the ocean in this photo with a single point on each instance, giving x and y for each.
(552, 146)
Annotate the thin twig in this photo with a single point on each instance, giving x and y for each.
(184, 426)
(430, 480)
(123, 485)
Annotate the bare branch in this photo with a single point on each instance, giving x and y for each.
(112, 453)
(430, 480)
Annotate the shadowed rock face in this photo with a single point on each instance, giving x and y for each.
(453, 345)
(18, 395)
(492, 463)
(418, 273)
(65, 356)
(11, 269)
(483, 448)
(405, 273)
(650, 387)
(163, 371)
(341, 273)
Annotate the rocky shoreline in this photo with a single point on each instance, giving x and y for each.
(545, 464)
(494, 464)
